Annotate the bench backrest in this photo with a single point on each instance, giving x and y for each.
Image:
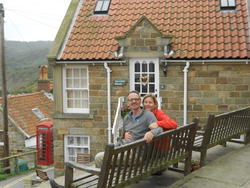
(223, 127)
(130, 163)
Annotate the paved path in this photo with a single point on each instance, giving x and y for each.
(226, 168)
(229, 171)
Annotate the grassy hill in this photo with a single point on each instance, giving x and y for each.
(22, 60)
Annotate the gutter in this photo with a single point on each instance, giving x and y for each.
(91, 62)
(109, 100)
(185, 70)
(246, 61)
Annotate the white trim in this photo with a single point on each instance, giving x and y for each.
(70, 28)
(66, 155)
(74, 110)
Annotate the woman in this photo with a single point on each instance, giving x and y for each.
(150, 103)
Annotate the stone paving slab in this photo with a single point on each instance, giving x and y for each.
(230, 171)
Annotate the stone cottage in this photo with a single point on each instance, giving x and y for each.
(193, 54)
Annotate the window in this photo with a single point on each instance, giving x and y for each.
(76, 92)
(39, 114)
(75, 144)
(144, 76)
(228, 4)
(102, 6)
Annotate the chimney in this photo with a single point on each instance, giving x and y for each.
(43, 82)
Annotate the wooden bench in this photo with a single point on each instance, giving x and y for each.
(222, 128)
(130, 163)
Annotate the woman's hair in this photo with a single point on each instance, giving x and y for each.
(152, 96)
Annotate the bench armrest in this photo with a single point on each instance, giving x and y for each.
(92, 170)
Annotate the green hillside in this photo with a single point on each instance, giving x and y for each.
(22, 61)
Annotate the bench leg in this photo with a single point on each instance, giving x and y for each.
(247, 138)
(203, 157)
(68, 176)
(224, 144)
(187, 167)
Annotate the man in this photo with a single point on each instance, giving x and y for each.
(135, 124)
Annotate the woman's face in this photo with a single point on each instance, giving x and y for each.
(149, 104)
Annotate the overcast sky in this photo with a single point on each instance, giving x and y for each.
(33, 20)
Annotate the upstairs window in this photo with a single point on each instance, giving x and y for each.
(228, 4)
(102, 6)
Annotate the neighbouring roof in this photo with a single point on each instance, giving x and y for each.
(20, 110)
(199, 29)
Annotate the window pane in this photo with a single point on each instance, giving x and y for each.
(151, 88)
(231, 3)
(69, 83)
(77, 73)
(70, 141)
(83, 83)
(77, 83)
(85, 104)
(137, 77)
(144, 67)
(77, 94)
(151, 78)
(144, 88)
(83, 73)
(78, 141)
(137, 87)
(151, 67)
(77, 103)
(137, 67)
(105, 6)
(85, 141)
(99, 6)
(71, 151)
(70, 94)
(70, 103)
(224, 3)
(85, 94)
(69, 73)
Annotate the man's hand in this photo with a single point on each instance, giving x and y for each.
(153, 125)
(148, 136)
(128, 136)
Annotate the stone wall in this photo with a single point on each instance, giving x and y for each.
(95, 125)
(16, 138)
(212, 89)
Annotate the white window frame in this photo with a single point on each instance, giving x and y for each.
(132, 73)
(227, 4)
(102, 6)
(66, 146)
(65, 105)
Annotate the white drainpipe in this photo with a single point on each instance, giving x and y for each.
(109, 101)
(185, 70)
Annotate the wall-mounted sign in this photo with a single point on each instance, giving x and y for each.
(119, 82)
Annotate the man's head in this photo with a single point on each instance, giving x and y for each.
(134, 101)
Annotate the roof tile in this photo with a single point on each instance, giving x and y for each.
(20, 110)
(199, 28)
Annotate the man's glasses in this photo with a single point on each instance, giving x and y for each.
(134, 99)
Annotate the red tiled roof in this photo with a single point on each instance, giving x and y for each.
(20, 110)
(198, 27)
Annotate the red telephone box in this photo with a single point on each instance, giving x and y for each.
(44, 143)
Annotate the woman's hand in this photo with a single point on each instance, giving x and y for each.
(148, 136)
(153, 125)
